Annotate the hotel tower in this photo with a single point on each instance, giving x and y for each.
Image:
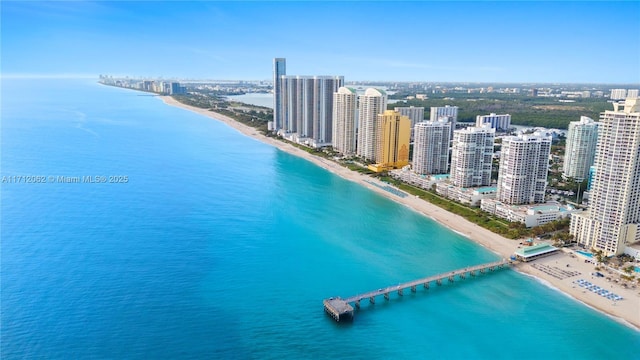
(613, 218)
(395, 133)
(345, 121)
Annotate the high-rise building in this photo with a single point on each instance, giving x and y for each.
(345, 121)
(471, 155)
(431, 147)
(498, 122)
(307, 107)
(372, 103)
(524, 163)
(448, 113)
(613, 218)
(415, 114)
(633, 93)
(395, 132)
(618, 94)
(279, 70)
(580, 149)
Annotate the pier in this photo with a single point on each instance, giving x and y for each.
(340, 309)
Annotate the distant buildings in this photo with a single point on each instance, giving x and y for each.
(305, 106)
(524, 163)
(431, 147)
(447, 113)
(580, 149)
(618, 94)
(613, 219)
(395, 132)
(372, 103)
(471, 154)
(415, 114)
(345, 121)
(498, 122)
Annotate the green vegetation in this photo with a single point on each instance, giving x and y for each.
(524, 110)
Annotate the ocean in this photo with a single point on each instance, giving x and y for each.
(182, 238)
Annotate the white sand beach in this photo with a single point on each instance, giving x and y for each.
(548, 269)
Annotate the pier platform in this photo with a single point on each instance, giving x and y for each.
(340, 309)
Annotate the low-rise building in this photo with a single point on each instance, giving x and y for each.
(529, 215)
(467, 196)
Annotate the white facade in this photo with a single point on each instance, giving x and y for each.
(613, 219)
(529, 215)
(307, 107)
(633, 93)
(498, 122)
(618, 94)
(581, 148)
(448, 113)
(471, 154)
(345, 121)
(431, 147)
(524, 163)
(471, 197)
(372, 103)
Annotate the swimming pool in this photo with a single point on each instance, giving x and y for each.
(584, 253)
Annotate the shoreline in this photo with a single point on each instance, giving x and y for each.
(625, 312)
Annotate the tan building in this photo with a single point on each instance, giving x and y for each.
(393, 148)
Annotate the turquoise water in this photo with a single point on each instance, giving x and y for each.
(219, 246)
(584, 253)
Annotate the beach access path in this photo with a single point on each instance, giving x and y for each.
(626, 311)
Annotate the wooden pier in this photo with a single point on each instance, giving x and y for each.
(340, 309)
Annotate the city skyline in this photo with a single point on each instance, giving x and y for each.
(239, 40)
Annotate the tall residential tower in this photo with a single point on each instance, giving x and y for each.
(345, 121)
(524, 164)
(581, 148)
(471, 154)
(372, 103)
(613, 218)
(431, 147)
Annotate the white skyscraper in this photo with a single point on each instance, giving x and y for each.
(471, 154)
(498, 122)
(345, 121)
(415, 114)
(449, 113)
(431, 147)
(524, 163)
(633, 93)
(580, 149)
(372, 103)
(307, 107)
(613, 218)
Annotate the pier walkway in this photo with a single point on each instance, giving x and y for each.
(340, 309)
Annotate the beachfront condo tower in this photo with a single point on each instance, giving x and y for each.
(279, 69)
(613, 219)
(370, 104)
(446, 113)
(581, 148)
(415, 114)
(524, 164)
(345, 119)
(395, 134)
(471, 155)
(498, 122)
(431, 147)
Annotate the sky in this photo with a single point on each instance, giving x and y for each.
(558, 42)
